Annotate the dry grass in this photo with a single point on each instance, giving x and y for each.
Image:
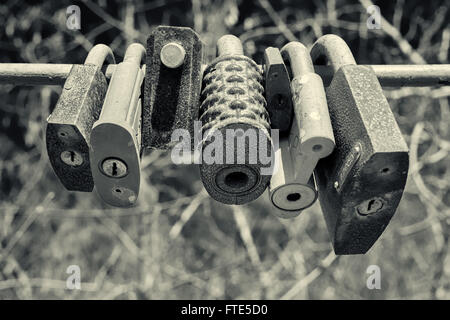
(179, 243)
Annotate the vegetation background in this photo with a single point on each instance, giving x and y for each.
(179, 243)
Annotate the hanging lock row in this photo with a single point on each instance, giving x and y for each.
(339, 144)
(93, 135)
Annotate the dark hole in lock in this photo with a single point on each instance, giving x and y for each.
(317, 147)
(385, 170)
(118, 191)
(236, 180)
(370, 205)
(166, 102)
(114, 169)
(72, 156)
(293, 196)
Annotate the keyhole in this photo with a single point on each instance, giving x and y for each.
(72, 156)
(114, 169)
(370, 206)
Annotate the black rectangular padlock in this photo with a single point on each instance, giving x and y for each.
(116, 135)
(277, 91)
(69, 126)
(362, 181)
(172, 85)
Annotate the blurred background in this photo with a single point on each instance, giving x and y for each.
(177, 243)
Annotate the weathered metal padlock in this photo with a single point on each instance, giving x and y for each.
(69, 126)
(236, 141)
(172, 85)
(116, 136)
(277, 91)
(362, 181)
(288, 196)
(292, 186)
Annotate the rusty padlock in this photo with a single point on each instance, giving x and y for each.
(116, 136)
(362, 181)
(311, 138)
(70, 124)
(172, 85)
(235, 127)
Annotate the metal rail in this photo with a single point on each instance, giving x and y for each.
(388, 75)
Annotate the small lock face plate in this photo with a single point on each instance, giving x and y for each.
(69, 126)
(117, 171)
(362, 181)
(277, 90)
(171, 93)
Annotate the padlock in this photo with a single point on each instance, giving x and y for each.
(311, 138)
(116, 136)
(362, 181)
(288, 196)
(235, 121)
(172, 85)
(277, 91)
(69, 126)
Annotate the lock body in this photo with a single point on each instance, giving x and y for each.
(116, 136)
(235, 123)
(172, 85)
(362, 182)
(277, 91)
(69, 126)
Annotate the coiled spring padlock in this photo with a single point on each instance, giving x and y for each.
(235, 127)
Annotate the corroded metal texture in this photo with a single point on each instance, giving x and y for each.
(69, 126)
(362, 181)
(233, 101)
(172, 93)
(277, 90)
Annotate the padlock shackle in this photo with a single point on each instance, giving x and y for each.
(135, 53)
(299, 58)
(98, 54)
(229, 45)
(334, 50)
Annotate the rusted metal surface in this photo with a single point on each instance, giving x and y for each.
(116, 135)
(172, 94)
(69, 126)
(362, 181)
(390, 75)
(232, 99)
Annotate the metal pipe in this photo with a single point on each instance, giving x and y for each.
(388, 75)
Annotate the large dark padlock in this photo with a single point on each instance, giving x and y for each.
(362, 181)
(292, 186)
(277, 91)
(116, 136)
(69, 126)
(172, 85)
(235, 127)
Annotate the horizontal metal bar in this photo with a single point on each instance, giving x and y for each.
(388, 75)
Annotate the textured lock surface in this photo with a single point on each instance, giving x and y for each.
(278, 93)
(362, 181)
(69, 126)
(232, 98)
(171, 96)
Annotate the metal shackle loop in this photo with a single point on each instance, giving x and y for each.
(135, 54)
(229, 45)
(299, 58)
(98, 54)
(334, 50)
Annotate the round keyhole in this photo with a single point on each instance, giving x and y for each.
(114, 168)
(72, 158)
(293, 197)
